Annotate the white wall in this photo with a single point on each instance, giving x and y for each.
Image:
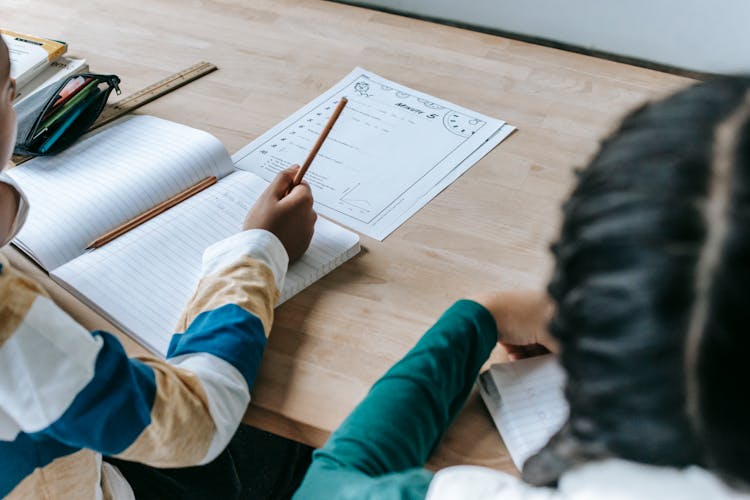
(700, 35)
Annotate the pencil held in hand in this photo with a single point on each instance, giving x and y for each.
(319, 143)
(150, 214)
(286, 213)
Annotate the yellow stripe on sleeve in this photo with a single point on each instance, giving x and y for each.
(17, 294)
(181, 428)
(248, 283)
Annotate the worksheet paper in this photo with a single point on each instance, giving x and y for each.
(527, 403)
(391, 151)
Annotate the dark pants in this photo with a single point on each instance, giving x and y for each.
(255, 465)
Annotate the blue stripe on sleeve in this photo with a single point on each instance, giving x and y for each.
(114, 408)
(19, 458)
(228, 332)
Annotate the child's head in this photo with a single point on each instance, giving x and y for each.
(652, 283)
(7, 115)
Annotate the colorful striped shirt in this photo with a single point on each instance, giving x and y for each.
(69, 396)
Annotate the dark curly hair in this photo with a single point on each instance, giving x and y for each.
(652, 285)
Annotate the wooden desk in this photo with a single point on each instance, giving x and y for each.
(489, 230)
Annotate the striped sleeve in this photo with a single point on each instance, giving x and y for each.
(46, 358)
(203, 388)
(61, 383)
(48, 365)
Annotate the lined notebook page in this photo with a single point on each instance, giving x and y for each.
(142, 280)
(108, 179)
(526, 401)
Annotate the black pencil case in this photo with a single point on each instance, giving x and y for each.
(46, 129)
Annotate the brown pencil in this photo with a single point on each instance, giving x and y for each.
(151, 213)
(319, 143)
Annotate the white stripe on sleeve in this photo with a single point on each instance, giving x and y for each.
(45, 363)
(227, 393)
(9, 429)
(257, 243)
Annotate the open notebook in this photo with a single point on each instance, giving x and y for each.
(142, 280)
(526, 401)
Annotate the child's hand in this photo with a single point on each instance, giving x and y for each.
(286, 213)
(521, 317)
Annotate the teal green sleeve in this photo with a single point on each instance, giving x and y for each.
(380, 449)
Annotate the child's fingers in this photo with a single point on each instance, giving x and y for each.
(280, 184)
(524, 351)
(300, 194)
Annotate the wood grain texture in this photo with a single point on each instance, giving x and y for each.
(489, 230)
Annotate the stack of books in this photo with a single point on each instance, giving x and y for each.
(38, 62)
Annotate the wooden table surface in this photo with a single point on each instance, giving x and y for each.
(491, 229)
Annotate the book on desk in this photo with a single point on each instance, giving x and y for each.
(30, 55)
(58, 69)
(142, 280)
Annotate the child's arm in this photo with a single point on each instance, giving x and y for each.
(211, 367)
(232, 276)
(67, 389)
(203, 387)
(381, 447)
(59, 382)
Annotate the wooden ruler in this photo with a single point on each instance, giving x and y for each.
(152, 92)
(144, 96)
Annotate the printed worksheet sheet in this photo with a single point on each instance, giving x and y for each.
(390, 152)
